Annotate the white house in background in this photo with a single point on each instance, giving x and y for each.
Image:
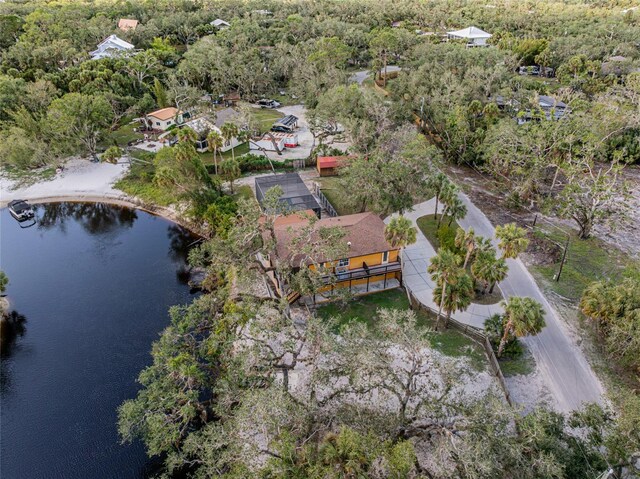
(220, 24)
(473, 35)
(164, 118)
(112, 46)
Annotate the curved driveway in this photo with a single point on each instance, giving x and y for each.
(566, 372)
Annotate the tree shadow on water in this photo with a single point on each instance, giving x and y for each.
(95, 218)
(11, 328)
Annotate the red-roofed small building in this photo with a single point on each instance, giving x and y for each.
(328, 165)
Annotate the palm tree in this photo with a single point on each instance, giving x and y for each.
(466, 240)
(481, 267)
(438, 183)
(457, 210)
(522, 317)
(497, 272)
(444, 269)
(230, 171)
(229, 132)
(186, 135)
(448, 196)
(458, 296)
(215, 143)
(512, 240)
(400, 232)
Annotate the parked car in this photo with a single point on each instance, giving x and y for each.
(264, 103)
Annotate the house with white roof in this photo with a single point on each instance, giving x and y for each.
(220, 24)
(112, 46)
(473, 35)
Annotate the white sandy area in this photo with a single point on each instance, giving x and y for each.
(79, 180)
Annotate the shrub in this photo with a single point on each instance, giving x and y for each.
(112, 154)
(251, 162)
(494, 328)
(447, 237)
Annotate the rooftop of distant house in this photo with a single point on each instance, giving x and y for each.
(117, 41)
(218, 22)
(364, 234)
(470, 33)
(127, 24)
(164, 113)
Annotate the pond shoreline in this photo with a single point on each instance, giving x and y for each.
(117, 200)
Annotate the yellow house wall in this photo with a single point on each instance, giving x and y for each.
(374, 259)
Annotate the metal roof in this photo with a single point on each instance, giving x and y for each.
(296, 196)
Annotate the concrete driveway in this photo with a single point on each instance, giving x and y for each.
(565, 370)
(361, 76)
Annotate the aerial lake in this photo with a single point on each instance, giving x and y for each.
(90, 287)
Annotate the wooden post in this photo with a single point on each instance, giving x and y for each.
(564, 256)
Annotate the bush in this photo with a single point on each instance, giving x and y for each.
(447, 237)
(494, 328)
(251, 162)
(112, 154)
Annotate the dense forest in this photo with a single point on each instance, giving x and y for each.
(211, 412)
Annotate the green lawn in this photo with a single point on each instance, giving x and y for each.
(337, 195)
(587, 261)
(266, 117)
(364, 309)
(122, 136)
(207, 156)
(428, 226)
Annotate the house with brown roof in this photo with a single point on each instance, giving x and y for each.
(126, 24)
(164, 118)
(369, 264)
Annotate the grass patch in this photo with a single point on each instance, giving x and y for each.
(364, 309)
(243, 192)
(587, 261)
(207, 156)
(429, 228)
(25, 177)
(523, 365)
(265, 117)
(121, 136)
(138, 182)
(337, 195)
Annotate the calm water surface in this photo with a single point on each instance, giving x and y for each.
(90, 285)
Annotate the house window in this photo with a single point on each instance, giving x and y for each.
(169, 122)
(158, 123)
(385, 257)
(343, 262)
